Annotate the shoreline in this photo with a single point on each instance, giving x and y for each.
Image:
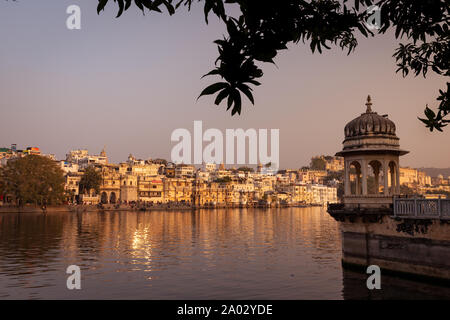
(122, 207)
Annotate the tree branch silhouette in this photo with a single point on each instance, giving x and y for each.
(263, 28)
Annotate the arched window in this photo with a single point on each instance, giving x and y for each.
(104, 198)
(355, 178)
(112, 197)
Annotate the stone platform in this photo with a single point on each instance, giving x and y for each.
(413, 245)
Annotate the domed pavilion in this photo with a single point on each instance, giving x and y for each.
(371, 154)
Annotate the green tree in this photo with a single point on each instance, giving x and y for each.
(334, 175)
(404, 189)
(225, 179)
(340, 192)
(91, 180)
(442, 192)
(245, 169)
(33, 179)
(261, 29)
(371, 186)
(318, 164)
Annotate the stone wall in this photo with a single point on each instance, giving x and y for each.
(416, 247)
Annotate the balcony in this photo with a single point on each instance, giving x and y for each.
(419, 208)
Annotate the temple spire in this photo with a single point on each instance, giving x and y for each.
(103, 152)
(369, 104)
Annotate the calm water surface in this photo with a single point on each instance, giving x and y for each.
(291, 253)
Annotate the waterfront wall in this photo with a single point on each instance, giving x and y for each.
(419, 247)
(131, 207)
(32, 209)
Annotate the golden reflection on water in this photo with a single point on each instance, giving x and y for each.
(292, 253)
(239, 253)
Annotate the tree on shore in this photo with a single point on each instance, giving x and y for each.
(33, 179)
(261, 29)
(405, 190)
(225, 179)
(318, 164)
(91, 180)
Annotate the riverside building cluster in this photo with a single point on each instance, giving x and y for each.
(159, 182)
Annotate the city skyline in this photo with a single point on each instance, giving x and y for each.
(232, 154)
(228, 166)
(65, 89)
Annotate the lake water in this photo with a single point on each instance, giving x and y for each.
(291, 253)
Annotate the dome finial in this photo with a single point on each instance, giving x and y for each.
(369, 104)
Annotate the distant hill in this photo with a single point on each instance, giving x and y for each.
(434, 172)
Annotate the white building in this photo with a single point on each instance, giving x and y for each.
(209, 167)
(203, 175)
(83, 159)
(184, 171)
(322, 194)
(75, 155)
(69, 167)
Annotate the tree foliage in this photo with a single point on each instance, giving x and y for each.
(334, 175)
(263, 28)
(245, 169)
(405, 190)
(91, 180)
(33, 179)
(318, 164)
(225, 179)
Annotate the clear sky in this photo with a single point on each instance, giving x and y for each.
(127, 83)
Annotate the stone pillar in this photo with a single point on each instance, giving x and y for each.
(364, 177)
(386, 177)
(347, 179)
(393, 178)
(376, 173)
(397, 180)
(358, 188)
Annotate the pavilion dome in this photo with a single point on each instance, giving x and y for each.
(369, 124)
(371, 133)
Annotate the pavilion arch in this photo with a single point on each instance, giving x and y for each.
(112, 198)
(354, 176)
(377, 169)
(104, 198)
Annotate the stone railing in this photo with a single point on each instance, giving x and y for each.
(422, 208)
